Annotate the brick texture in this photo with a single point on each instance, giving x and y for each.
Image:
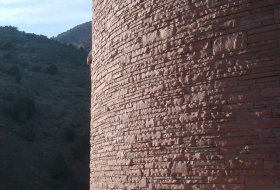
(185, 94)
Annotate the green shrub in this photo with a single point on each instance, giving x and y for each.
(86, 142)
(18, 78)
(28, 134)
(70, 45)
(14, 70)
(10, 97)
(31, 36)
(23, 109)
(51, 69)
(32, 50)
(8, 56)
(7, 46)
(76, 151)
(42, 39)
(24, 65)
(19, 40)
(70, 135)
(22, 118)
(36, 68)
(59, 168)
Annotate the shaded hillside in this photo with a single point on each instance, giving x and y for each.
(79, 36)
(44, 113)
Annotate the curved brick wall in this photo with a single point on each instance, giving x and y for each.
(185, 94)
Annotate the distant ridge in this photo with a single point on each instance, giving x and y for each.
(79, 36)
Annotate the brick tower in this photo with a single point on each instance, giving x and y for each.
(185, 94)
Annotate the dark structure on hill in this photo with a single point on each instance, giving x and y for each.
(185, 95)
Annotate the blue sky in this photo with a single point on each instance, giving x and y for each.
(46, 17)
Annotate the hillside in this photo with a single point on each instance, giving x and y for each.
(44, 113)
(79, 36)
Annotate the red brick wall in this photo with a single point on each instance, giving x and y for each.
(185, 94)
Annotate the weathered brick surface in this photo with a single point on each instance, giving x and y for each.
(185, 94)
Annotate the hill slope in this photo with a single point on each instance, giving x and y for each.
(29, 146)
(79, 36)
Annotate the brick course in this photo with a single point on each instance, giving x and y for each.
(185, 94)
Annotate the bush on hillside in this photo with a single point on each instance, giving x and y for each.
(32, 50)
(23, 109)
(70, 135)
(51, 69)
(30, 36)
(24, 65)
(59, 168)
(18, 78)
(10, 97)
(85, 144)
(8, 56)
(36, 68)
(28, 134)
(19, 40)
(76, 151)
(7, 46)
(14, 70)
(43, 39)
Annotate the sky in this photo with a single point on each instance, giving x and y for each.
(45, 17)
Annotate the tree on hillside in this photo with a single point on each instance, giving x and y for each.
(7, 46)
